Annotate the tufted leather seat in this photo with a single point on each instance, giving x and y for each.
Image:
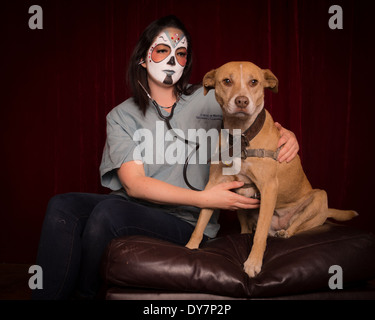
(139, 267)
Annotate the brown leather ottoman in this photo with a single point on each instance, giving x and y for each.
(139, 267)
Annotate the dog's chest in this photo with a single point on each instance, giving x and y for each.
(249, 189)
(248, 170)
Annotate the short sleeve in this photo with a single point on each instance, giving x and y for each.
(118, 149)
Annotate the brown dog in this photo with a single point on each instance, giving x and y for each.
(289, 204)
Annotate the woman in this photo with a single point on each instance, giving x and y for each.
(150, 197)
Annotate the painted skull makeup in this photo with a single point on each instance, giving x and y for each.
(167, 56)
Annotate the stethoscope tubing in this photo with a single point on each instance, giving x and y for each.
(167, 119)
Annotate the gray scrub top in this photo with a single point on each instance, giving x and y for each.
(133, 136)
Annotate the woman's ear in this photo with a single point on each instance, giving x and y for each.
(142, 63)
(271, 81)
(209, 81)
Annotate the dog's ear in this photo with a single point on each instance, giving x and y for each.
(209, 81)
(271, 81)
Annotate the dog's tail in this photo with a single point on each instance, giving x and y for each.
(341, 215)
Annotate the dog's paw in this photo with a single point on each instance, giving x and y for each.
(281, 234)
(252, 268)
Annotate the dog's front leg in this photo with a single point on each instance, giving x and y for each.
(197, 235)
(253, 264)
(248, 220)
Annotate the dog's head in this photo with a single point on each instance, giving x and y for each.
(239, 87)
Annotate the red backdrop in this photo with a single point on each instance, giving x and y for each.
(58, 84)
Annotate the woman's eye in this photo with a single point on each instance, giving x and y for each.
(160, 52)
(227, 82)
(181, 56)
(253, 82)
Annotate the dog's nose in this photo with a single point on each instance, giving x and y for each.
(241, 102)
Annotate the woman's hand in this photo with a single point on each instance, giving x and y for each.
(137, 185)
(221, 197)
(291, 147)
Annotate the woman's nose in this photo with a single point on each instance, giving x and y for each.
(172, 61)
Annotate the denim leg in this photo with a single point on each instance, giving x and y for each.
(59, 252)
(113, 218)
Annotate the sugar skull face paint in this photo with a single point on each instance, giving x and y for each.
(167, 56)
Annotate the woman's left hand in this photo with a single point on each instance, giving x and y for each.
(291, 147)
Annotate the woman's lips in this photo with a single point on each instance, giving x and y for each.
(169, 72)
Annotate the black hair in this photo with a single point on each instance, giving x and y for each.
(137, 73)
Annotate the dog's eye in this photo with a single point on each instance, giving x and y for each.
(253, 82)
(227, 82)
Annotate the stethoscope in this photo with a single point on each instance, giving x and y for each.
(167, 119)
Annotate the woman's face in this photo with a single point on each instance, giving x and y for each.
(167, 57)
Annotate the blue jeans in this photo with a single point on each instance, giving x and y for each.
(76, 231)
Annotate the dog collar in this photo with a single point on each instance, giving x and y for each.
(248, 135)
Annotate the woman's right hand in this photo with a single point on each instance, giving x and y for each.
(221, 197)
(137, 185)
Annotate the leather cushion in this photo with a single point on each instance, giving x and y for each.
(296, 265)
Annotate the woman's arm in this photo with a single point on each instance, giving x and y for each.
(138, 185)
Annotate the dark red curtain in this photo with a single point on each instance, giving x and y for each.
(58, 84)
